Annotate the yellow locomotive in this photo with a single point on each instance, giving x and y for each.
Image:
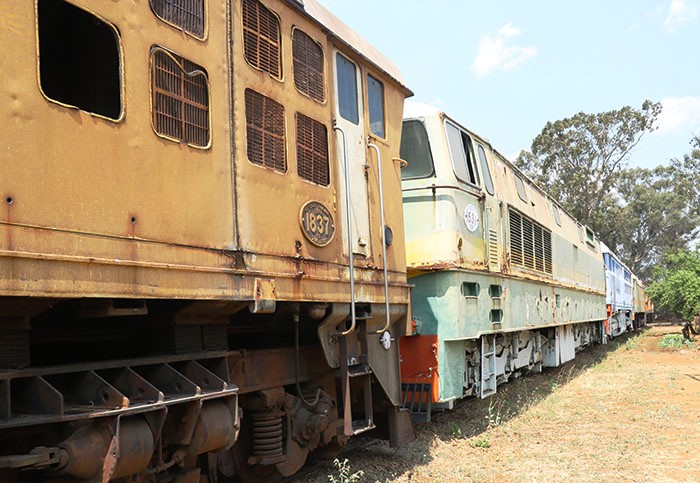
(202, 262)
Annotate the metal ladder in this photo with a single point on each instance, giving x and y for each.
(358, 369)
(488, 365)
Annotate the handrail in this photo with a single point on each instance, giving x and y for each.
(349, 228)
(383, 235)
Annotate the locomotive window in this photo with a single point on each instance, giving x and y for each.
(520, 187)
(308, 66)
(557, 215)
(312, 150)
(347, 89)
(265, 131)
(187, 15)
(462, 153)
(375, 96)
(261, 38)
(79, 59)
(530, 244)
(486, 173)
(180, 99)
(415, 149)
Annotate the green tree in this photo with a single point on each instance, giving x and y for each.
(658, 213)
(676, 286)
(579, 160)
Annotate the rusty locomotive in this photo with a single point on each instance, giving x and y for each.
(202, 264)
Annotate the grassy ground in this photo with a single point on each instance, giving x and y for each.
(628, 411)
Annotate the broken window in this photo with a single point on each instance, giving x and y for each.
(462, 154)
(415, 149)
(185, 14)
(79, 59)
(180, 98)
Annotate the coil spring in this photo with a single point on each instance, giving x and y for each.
(268, 434)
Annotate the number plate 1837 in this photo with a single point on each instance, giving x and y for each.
(317, 223)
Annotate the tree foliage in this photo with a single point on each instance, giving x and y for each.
(659, 212)
(579, 160)
(676, 286)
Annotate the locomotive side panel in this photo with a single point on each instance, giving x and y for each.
(506, 280)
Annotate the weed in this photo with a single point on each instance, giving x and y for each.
(455, 430)
(481, 442)
(345, 474)
(675, 342)
(494, 415)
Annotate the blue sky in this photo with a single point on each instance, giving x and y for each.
(503, 68)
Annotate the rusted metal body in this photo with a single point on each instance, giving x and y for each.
(173, 191)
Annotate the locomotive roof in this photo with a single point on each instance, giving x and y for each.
(337, 29)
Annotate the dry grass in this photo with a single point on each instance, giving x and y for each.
(629, 411)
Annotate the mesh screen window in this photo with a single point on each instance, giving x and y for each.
(261, 38)
(312, 150)
(180, 99)
(308, 66)
(185, 14)
(265, 131)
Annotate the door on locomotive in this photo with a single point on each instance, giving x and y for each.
(472, 204)
(353, 151)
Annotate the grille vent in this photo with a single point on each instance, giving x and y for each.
(265, 130)
(493, 249)
(180, 99)
(530, 244)
(186, 14)
(308, 66)
(312, 150)
(261, 38)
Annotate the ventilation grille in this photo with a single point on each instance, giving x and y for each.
(530, 244)
(312, 150)
(493, 249)
(261, 38)
(308, 66)
(180, 99)
(186, 14)
(265, 130)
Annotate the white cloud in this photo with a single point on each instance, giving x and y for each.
(680, 12)
(495, 53)
(679, 115)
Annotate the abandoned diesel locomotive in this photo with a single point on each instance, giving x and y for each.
(202, 264)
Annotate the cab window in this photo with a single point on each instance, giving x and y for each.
(462, 154)
(485, 172)
(415, 150)
(347, 89)
(375, 96)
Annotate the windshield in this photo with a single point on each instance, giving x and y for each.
(415, 150)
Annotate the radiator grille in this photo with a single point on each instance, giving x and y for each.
(312, 150)
(261, 38)
(308, 66)
(180, 99)
(186, 14)
(265, 131)
(530, 244)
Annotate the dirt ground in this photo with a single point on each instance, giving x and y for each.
(628, 411)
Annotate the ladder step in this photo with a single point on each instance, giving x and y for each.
(359, 370)
(362, 426)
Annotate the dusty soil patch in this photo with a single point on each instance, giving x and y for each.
(628, 411)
